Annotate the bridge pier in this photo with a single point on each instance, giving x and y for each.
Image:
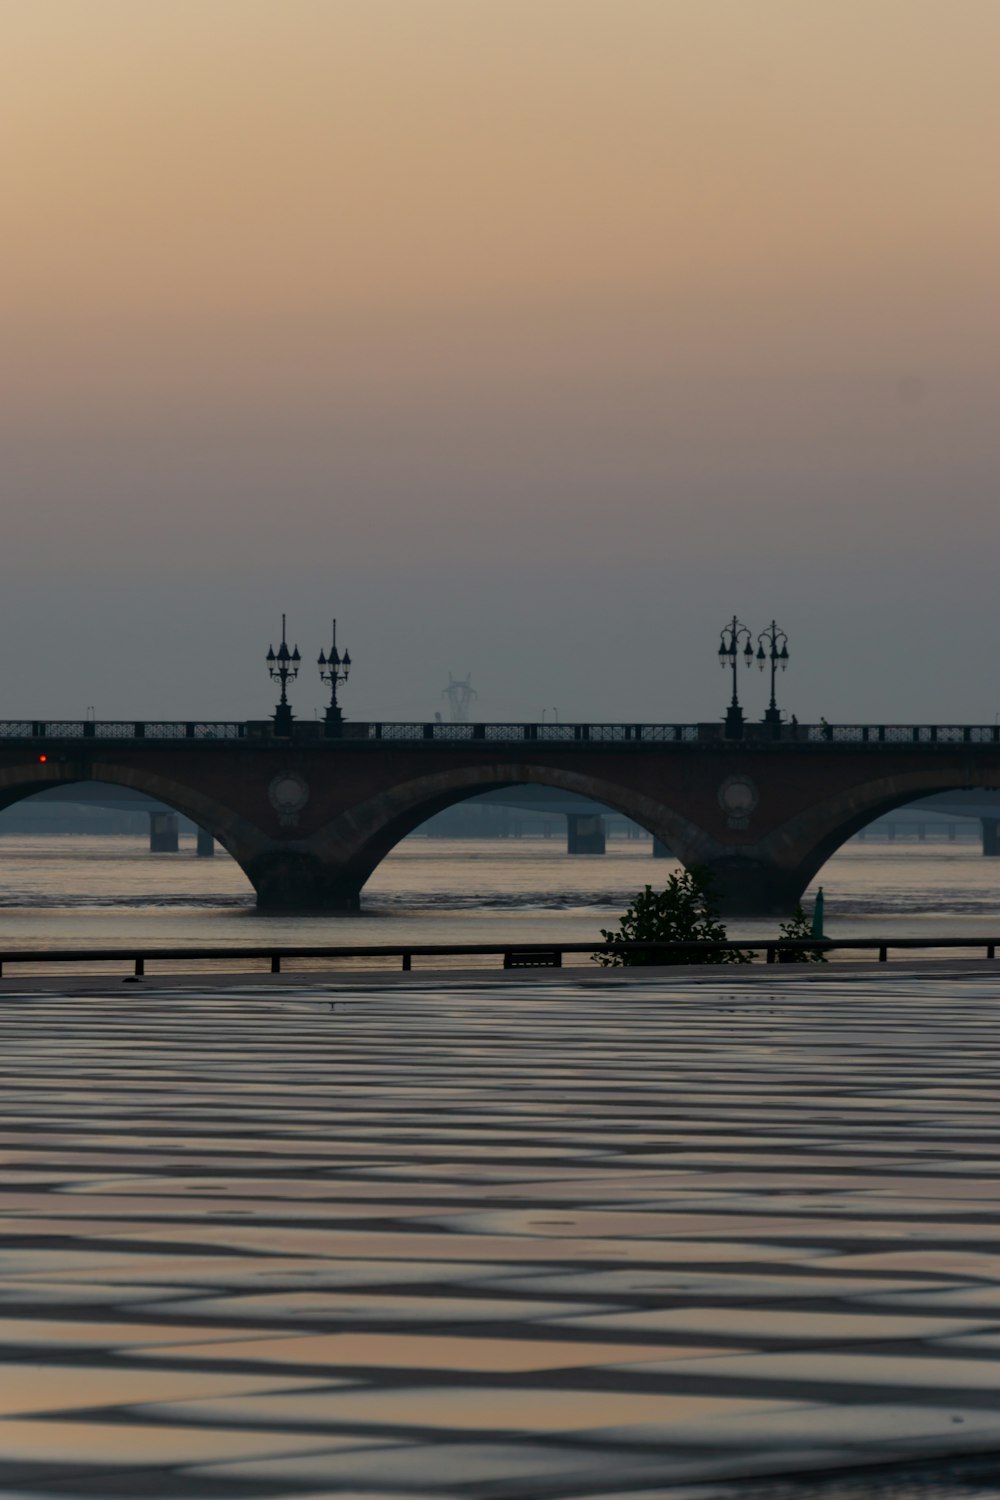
(752, 888)
(163, 834)
(291, 880)
(206, 844)
(585, 833)
(991, 837)
(661, 850)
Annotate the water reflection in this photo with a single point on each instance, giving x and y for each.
(103, 891)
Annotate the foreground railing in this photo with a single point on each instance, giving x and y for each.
(514, 955)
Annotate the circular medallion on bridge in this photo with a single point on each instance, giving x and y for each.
(738, 797)
(288, 794)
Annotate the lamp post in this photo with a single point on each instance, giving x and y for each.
(283, 667)
(776, 641)
(334, 669)
(730, 640)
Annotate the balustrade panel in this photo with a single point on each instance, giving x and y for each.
(65, 729)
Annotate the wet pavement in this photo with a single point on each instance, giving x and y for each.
(578, 1238)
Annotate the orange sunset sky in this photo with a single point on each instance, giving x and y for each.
(530, 337)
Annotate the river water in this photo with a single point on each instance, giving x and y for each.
(94, 891)
(79, 891)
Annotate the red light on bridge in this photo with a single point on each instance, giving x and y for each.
(43, 758)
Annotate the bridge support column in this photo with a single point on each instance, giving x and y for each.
(991, 837)
(206, 844)
(753, 888)
(289, 880)
(163, 833)
(661, 850)
(584, 833)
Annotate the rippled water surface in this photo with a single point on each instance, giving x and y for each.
(104, 891)
(98, 891)
(975, 1480)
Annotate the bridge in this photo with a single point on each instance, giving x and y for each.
(309, 816)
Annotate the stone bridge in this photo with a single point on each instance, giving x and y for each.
(309, 818)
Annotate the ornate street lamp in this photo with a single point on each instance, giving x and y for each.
(283, 667)
(777, 654)
(733, 635)
(334, 669)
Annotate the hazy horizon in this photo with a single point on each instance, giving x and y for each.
(530, 339)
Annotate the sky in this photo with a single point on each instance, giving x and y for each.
(530, 338)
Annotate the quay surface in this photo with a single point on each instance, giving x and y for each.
(570, 1237)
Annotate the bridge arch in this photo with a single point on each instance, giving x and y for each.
(801, 846)
(343, 854)
(238, 837)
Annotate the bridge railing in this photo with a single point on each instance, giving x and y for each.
(128, 729)
(121, 729)
(511, 733)
(871, 734)
(899, 734)
(545, 733)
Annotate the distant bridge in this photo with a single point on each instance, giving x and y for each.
(310, 817)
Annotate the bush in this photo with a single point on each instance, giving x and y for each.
(798, 926)
(685, 911)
